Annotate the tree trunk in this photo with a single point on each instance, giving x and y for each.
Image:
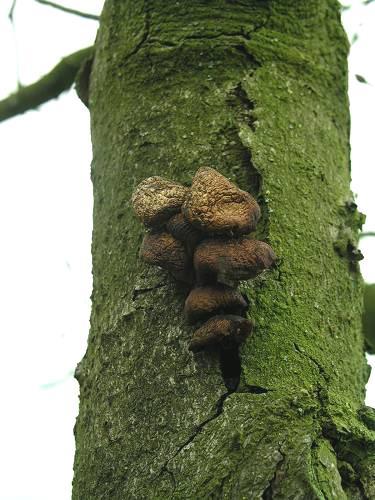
(256, 89)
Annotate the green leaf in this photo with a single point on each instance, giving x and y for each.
(361, 79)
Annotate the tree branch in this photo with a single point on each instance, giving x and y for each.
(69, 11)
(368, 233)
(59, 79)
(11, 12)
(11, 19)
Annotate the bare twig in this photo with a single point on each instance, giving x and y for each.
(367, 233)
(68, 10)
(59, 79)
(11, 12)
(11, 19)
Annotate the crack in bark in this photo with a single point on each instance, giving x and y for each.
(341, 443)
(146, 31)
(347, 458)
(173, 479)
(320, 368)
(268, 492)
(202, 36)
(254, 389)
(238, 36)
(247, 107)
(199, 428)
(230, 366)
(141, 291)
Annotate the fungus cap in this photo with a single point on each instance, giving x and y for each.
(231, 260)
(221, 331)
(156, 199)
(205, 301)
(181, 229)
(163, 250)
(216, 206)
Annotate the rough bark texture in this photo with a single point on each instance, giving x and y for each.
(256, 89)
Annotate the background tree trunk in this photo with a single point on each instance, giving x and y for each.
(257, 90)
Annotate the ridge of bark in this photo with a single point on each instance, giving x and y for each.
(146, 31)
(268, 492)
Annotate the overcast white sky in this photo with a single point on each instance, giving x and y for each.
(45, 266)
(45, 207)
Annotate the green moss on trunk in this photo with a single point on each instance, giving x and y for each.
(256, 89)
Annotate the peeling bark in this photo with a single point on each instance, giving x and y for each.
(257, 90)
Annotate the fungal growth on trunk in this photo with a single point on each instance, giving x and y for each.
(156, 199)
(216, 206)
(163, 250)
(205, 301)
(223, 331)
(181, 229)
(198, 235)
(231, 260)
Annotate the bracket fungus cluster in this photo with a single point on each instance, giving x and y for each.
(199, 234)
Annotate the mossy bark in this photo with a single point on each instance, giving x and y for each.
(256, 89)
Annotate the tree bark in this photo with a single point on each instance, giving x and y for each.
(258, 90)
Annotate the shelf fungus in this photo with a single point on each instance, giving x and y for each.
(221, 331)
(163, 250)
(198, 235)
(205, 301)
(216, 206)
(181, 229)
(156, 199)
(231, 260)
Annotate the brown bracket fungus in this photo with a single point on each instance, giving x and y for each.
(197, 234)
(163, 250)
(221, 331)
(231, 260)
(216, 206)
(205, 301)
(180, 228)
(156, 199)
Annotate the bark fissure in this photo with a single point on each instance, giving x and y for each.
(239, 97)
(200, 427)
(146, 31)
(352, 482)
(241, 35)
(269, 491)
(140, 291)
(351, 452)
(254, 389)
(230, 366)
(321, 370)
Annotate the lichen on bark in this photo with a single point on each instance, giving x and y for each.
(257, 90)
